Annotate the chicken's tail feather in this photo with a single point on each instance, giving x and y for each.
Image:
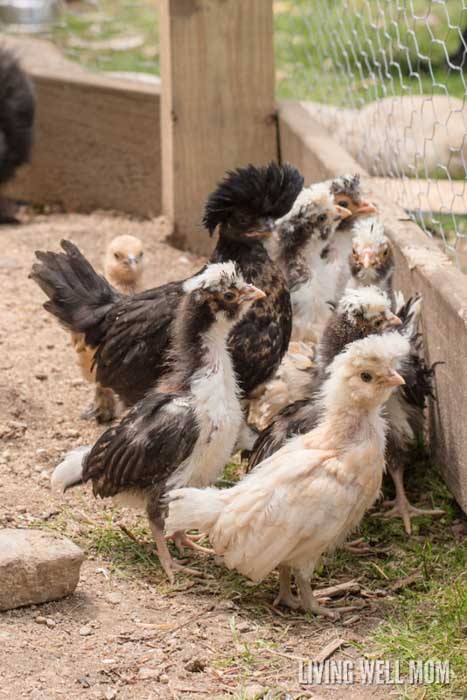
(69, 473)
(193, 509)
(78, 297)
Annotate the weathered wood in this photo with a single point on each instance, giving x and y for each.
(217, 103)
(97, 139)
(420, 266)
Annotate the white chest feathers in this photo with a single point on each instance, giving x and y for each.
(219, 417)
(311, 310)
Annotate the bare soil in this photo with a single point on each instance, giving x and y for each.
(126, 633)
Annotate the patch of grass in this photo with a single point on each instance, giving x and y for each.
(83, 29)
(353, 54)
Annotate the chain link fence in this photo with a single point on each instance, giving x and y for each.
(388, 79)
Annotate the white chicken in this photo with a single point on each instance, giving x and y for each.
(309, 496)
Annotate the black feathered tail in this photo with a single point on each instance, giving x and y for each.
(78, 297)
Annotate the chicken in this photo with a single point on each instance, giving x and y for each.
(347, 192)
(405, 413)
(185, 429)
(308, 497)
(123, 268)
(371, 260)
(132, 336)
(301, 236)
(124, 264)
(361, 312)
(17, 105)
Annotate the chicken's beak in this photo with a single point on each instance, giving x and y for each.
(131, 261)
(367, 258)
(393, 378)
(366, 208)
(264, 229)
(343, 212)
(392, 319)
(252, 293)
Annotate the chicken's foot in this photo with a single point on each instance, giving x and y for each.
(285, 595)
(308, 600)
(167, 562)
(401, 506)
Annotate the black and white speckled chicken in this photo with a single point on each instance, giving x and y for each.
(348, 192)
(360, 312)
(185, 429)
(405, 413)
(132, 335)
(301, 236)
(371, 260)
(17, 106)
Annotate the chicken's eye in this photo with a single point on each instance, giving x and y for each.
(230, 296)
(366, 377)
(378, 322)
(117, 256)
(385, 251)
(321, 218)
(343, 203)
(141, 254)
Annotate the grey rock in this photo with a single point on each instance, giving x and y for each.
(36, 566)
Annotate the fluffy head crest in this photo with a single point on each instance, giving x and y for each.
(215, 276)
(258, 192)
(376, 352)
(369, 232)
(346, 184)
(365, 301)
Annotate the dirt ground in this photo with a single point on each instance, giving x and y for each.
(126, 633)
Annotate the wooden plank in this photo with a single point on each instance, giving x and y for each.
(97, 139)
(420, 266)
(218, 109)
(440, 196)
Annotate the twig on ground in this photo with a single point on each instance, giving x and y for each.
(329, 649)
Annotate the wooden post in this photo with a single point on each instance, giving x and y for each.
(218, 108)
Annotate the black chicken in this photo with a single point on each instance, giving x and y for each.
(16, 122)
(132, 336)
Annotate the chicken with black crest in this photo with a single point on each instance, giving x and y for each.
(132, 335)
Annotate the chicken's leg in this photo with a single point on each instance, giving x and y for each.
(285, 595)
(181, 540)
(308, 600)
(401, 506)
(168, 564)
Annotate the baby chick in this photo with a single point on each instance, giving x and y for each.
(185, 429)
(347, 193)
(17, 106)
(371, 260)
(307, 498)
(124, 264)
(301, 237)
(123, 268)
(361, 312)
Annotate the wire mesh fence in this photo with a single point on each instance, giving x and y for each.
(388, 79)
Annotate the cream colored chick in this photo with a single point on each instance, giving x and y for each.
(123, 268)
(311, 494)
(124, 264)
